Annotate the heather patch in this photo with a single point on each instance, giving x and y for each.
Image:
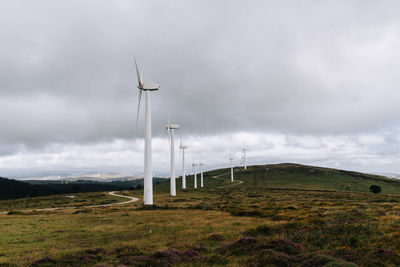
(126, 251)
(216, 259)
(285, 245)
(249, 213)
(42, 262)
(316, 260)
(238, 247)
(155, 207)
(263, 230)
(215, 237)
(269, 257)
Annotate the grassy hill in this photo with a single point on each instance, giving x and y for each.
(288, 215)
(296, 176)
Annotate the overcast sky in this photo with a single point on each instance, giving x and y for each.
(313, 82)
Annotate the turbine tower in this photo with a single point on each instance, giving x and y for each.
(201, 164)
(244, 158)
(231, 159)
(194, 165)
(148, 178)
(171, 134)
(182, 148)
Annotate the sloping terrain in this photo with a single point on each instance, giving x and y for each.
(288, 215)
(296, 176)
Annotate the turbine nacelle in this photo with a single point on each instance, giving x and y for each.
(172, 126)
(181, 146)
(146, 86)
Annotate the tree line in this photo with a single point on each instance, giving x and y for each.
(11, 189)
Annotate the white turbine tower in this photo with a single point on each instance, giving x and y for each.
(148, 178)
(182, 148)
(171, 134)
(194, 165)
(231, 159)
(201, 164)
(244, 158)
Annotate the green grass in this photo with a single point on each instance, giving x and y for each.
(286, 216)
(295, 176)
(53, 201)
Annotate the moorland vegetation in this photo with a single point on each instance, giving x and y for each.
(281, 215)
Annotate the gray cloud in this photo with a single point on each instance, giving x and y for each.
(304, 68)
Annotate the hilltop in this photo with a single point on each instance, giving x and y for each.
(297, 176)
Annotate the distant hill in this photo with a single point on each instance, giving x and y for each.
(297, 176)
(10, 189)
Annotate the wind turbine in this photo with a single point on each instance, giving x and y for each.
(244, 158)
(194, 165)
(171, 134)
(148, 178)
(182, 148)
(201, 164)
(231, 159)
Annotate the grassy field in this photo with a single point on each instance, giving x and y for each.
(53, 201)
(297, 176)
(288, 215)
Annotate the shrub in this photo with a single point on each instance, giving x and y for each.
(269, 257)
(190, 255)
(127, 250)
(44, 262)
(82, 211)
(246, 213)
(316, 260)
(286, 246)
(375, 189)
(340, 264)
(215, 237)
(241, 246)
(170, 255)
(15, 213)
(215, 259)
(259, 231)
(142, 261)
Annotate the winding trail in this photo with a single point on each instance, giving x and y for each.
(131, 199)
(217, 177)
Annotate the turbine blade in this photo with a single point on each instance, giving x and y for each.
(138, 76)
(138, 108)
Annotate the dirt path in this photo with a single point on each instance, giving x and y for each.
(217, 177)
(131, 199)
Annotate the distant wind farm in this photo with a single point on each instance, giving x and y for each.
(199, 133)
